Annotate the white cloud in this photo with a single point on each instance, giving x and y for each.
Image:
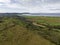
(5, 1)
(29, 6)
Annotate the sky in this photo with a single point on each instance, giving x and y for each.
(32, 6)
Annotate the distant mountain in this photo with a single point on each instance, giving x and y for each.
(8, 14)
(31, 14)
(12, 14)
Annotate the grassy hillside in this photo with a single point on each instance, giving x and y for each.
(44, 19)
(18, 30)
(47, 27)
(21, 31)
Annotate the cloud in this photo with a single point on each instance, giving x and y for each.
(53, 1)
(4, 0)
(29, 6)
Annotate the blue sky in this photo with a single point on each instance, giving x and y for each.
(37, 6)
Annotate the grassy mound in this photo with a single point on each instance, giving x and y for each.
(13, 31)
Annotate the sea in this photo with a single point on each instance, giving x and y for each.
(40, 15)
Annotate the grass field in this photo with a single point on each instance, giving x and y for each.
(49, 27)
(30, 30)
(45, 19)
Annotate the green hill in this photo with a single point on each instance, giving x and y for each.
(20, 31)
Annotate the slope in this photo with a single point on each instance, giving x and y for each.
(13, 31)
